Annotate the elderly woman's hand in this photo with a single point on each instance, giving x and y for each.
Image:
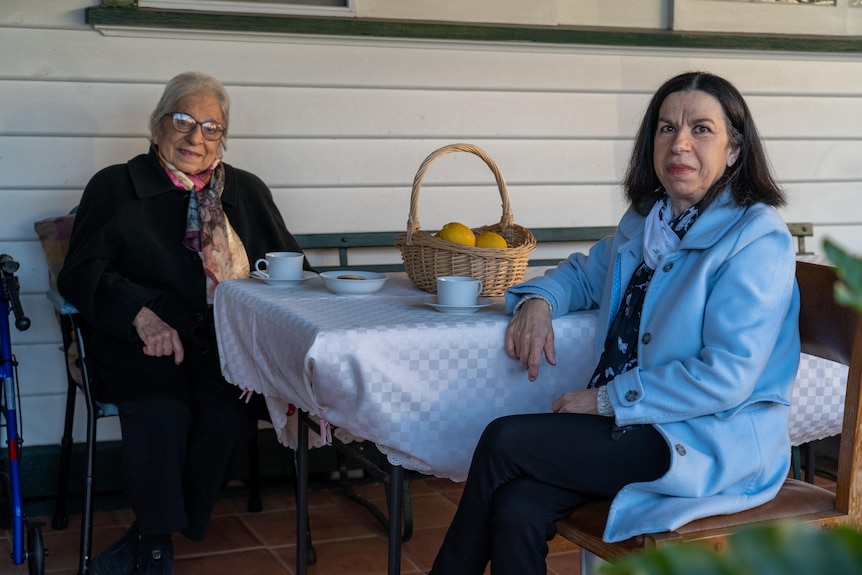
(529, 335)
(581, 401)
(159, 338)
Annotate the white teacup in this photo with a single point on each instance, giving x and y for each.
(458, 291)
(280, 265)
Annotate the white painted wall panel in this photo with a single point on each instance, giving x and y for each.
(338, 127)
(376, 172)
(86, 55)
(33, 274)
(354, 163)
(532, 205)
(39, 372)
(764, 17)
(43, 421)
(44, 12)
(644, 14)
(33, 204)
(331, 162)
(43, 328)
(89, 109)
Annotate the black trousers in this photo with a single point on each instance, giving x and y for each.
(177, 452)
(529, 471)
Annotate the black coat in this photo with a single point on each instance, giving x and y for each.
(126, 252)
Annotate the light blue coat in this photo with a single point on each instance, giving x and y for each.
(717, 357)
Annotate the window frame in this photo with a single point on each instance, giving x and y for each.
(127, 18)
(275, 8)
(721, 16)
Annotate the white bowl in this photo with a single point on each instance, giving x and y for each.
(352, 282)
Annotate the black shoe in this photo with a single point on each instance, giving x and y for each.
(120, 557)
(155, 555)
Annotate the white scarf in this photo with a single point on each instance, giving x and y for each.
(659, 238)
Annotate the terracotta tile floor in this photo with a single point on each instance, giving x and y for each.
(348, 540)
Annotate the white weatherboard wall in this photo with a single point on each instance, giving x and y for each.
(338, 127)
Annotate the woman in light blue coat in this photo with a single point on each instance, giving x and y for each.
(686, 413)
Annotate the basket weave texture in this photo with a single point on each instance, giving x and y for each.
(427, 257)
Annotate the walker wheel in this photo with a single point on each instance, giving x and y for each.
(36, 551)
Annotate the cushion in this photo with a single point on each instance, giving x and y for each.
(54, 233)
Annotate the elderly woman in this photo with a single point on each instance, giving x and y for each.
(685, 415)
(152, 239)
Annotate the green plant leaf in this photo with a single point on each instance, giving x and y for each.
(670, 560)
(776, 549)
(789, 548)
(848, 291)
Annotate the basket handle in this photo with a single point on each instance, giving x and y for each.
(413, 220)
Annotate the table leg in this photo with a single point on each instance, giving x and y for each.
(301, 455)
(396, 509)
(394, 481)
(810, 461)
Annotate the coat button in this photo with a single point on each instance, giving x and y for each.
(668, 266)
(646, 338)
(631, 395)
(679, 448)
(197, 317)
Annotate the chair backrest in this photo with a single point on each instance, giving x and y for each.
(54, 234)
(834, 332)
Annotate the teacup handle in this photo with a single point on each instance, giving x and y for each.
(258, 263)
(480, 287)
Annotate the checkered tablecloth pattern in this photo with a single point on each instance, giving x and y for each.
(385, 367)
(817, 404)
(420, 384)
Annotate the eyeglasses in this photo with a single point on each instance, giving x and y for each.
(184, 124)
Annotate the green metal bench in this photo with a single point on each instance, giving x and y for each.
(345, 243)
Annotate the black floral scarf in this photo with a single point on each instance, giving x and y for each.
(621, 344)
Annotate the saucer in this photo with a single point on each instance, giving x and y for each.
(457, 309)
(306, 275)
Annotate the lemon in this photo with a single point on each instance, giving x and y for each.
(458, 233)
(491, 240)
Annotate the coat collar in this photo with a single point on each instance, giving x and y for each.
(715, 222)
(149, 178)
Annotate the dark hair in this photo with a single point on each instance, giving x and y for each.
(749, 177)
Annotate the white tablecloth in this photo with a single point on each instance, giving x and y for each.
(817, 402)
(420, 384)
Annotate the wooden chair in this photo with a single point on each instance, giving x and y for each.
(828, 331)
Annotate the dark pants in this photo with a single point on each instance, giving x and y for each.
(178, 452)
(529, 471)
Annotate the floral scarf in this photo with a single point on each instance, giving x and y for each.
(208, 231)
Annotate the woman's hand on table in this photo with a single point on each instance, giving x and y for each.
(530, 335)
(159, 338)
(581, 401)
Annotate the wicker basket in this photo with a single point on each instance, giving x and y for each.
(427, 257)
